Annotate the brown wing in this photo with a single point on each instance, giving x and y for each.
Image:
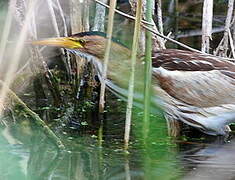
(172, 59)
(199, 80)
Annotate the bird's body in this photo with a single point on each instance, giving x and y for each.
(193, 88)
(196, 89)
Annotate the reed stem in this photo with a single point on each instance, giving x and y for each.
(6, 32)
(148, 71)
(107, 52)
(132, 75)
(9, 76)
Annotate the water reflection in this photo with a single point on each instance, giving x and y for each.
(214, 160)
(26, 153)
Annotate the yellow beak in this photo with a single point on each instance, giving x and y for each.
(63, 42)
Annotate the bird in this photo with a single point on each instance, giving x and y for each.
(192, 88)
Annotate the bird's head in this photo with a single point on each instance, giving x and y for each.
(86, 44)
(92, 45)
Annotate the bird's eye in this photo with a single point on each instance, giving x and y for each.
(81, 41)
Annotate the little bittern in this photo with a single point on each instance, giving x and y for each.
(192, 88)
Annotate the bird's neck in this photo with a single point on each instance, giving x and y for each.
(119, 67)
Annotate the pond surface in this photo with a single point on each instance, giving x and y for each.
(26, 153)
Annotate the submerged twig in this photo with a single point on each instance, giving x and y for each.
(12, 98)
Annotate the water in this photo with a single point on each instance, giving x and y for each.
(26, 153)
(213, 160)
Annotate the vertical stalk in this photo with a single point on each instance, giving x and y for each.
(207, 25)
(148, 70)
(53, 18)
(105, 67)
(132, 75)
(86, 15)
(9, 76)
(6, 29)
(159, 15)
(222, 49)
(77, 26)
(62, 17)
(176, 18)
(107, 52)
(100, 133)
(99, 17)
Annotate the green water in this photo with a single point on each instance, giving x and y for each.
(26, 153)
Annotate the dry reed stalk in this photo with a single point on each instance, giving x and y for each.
(233, 29)
(231, 41)
(62, 17)
(132, 74)
(99, 17)
(18, 50)
(159, 16)
(142, 39)
(229, 17)
(106, 56)
(53, 18)
(6, 29)
(159, 43)
(223, 45)
(207, 18)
